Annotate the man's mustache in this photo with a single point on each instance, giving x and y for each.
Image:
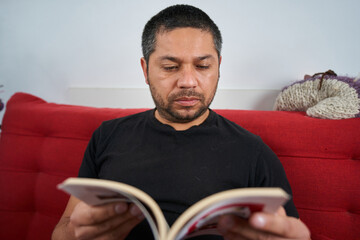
(186, 93)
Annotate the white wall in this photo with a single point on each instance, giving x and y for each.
(51, 47)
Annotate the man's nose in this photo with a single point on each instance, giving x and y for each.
(187, 78)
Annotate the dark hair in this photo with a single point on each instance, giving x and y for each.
(177, 16)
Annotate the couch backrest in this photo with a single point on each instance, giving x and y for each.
(43, 143)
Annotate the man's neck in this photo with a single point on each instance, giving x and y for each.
(183, 126)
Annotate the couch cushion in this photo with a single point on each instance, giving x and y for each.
(41, 144)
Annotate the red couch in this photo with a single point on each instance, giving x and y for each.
(42, 143)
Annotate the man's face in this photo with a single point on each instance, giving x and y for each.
(182, 73)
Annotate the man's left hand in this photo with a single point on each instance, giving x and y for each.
(263, 226)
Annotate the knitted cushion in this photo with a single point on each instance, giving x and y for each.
(327, 96)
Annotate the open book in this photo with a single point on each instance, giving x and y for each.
(199, 219)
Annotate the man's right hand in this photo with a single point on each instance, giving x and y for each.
(105, 222)
(110, 221)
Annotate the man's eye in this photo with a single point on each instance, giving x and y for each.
(170, 68)
(203, 66)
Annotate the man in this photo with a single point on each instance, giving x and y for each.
(181, 151)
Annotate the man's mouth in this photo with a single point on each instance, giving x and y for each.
(187, 101)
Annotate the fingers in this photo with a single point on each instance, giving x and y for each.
(116, 228)
(84, 214)
(111, 221)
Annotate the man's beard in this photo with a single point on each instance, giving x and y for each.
(168, 110)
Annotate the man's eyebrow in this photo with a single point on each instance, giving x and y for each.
(170, 58)
(175, 59)
(205, 57)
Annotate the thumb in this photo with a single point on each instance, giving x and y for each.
(280, 224)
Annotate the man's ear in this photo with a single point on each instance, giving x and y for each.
(220, 58)
(144, 68)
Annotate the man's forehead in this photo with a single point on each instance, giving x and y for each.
(171, 42)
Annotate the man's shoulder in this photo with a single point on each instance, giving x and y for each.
(128, 121)
(129, 118)
(231, 127)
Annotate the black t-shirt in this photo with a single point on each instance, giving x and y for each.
(179, 168)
